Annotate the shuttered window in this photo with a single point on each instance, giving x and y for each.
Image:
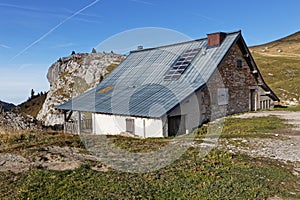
(130, 125)
(223, 96)
(239, 63)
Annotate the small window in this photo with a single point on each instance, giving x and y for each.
(223, 96)
(130, 126)
(239, 63)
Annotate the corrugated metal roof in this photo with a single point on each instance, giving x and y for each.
(137, 85)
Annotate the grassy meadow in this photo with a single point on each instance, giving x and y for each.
(218, 175)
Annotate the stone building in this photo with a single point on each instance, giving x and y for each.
(170, 90)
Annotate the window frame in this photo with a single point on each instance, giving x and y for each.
(239, 63)
(130, 128)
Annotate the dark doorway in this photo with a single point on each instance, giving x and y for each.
(252, 100)
(176, 125)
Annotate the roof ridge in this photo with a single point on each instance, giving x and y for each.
(184, 42)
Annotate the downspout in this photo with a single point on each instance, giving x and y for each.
(144, 128)
(65, 121)
(79, 123)
(93, 124)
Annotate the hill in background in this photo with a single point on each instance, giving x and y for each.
(279, 63)
(6, 106)
(32, 106)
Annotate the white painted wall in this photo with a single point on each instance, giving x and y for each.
(115, 124)
(190, 108)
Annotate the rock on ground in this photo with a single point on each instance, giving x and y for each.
(11, 120)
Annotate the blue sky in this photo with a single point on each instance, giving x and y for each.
(34, 34)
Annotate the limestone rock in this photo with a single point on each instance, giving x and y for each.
(70, 77)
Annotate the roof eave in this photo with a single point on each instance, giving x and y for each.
(273, 96)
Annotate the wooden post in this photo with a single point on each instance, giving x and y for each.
(256, 98)
(79, 123)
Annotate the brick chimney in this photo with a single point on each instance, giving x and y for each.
(215, 39)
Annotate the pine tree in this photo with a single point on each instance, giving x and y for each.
(32, 94)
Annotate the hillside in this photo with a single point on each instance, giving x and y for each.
(33, 106)
(6, 106)
(279, 62)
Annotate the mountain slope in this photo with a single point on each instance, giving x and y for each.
(33, 106)
(6, 106)
(279, 62)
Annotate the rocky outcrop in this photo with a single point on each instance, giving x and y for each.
(11, 120)
(71, 76)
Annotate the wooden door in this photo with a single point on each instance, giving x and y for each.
(252, 100)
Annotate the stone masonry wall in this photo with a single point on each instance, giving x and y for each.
(238, 80)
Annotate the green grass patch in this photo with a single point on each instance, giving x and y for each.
(285, 84)
(290, 108)
(127, 143)
(218, 175)
(139, 145)
(26, 142)
(245, 127)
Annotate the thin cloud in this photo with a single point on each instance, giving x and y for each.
(23, 66)
(54, 28)
(5, 46)
(63, 14)
(82, 14)
(206, 18)
(70, 44)
(88, 20)
(7, 5)
(84, 17)
(143, 2)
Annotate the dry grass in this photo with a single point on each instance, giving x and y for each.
(32, 106)
(279, 63)
(218, 175)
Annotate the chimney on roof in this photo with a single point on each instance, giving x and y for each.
(140, 48)
(215, 39)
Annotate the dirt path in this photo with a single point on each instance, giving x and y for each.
(51, 158)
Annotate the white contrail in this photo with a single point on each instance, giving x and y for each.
(54, 28)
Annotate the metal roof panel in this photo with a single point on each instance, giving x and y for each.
(139, 88)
